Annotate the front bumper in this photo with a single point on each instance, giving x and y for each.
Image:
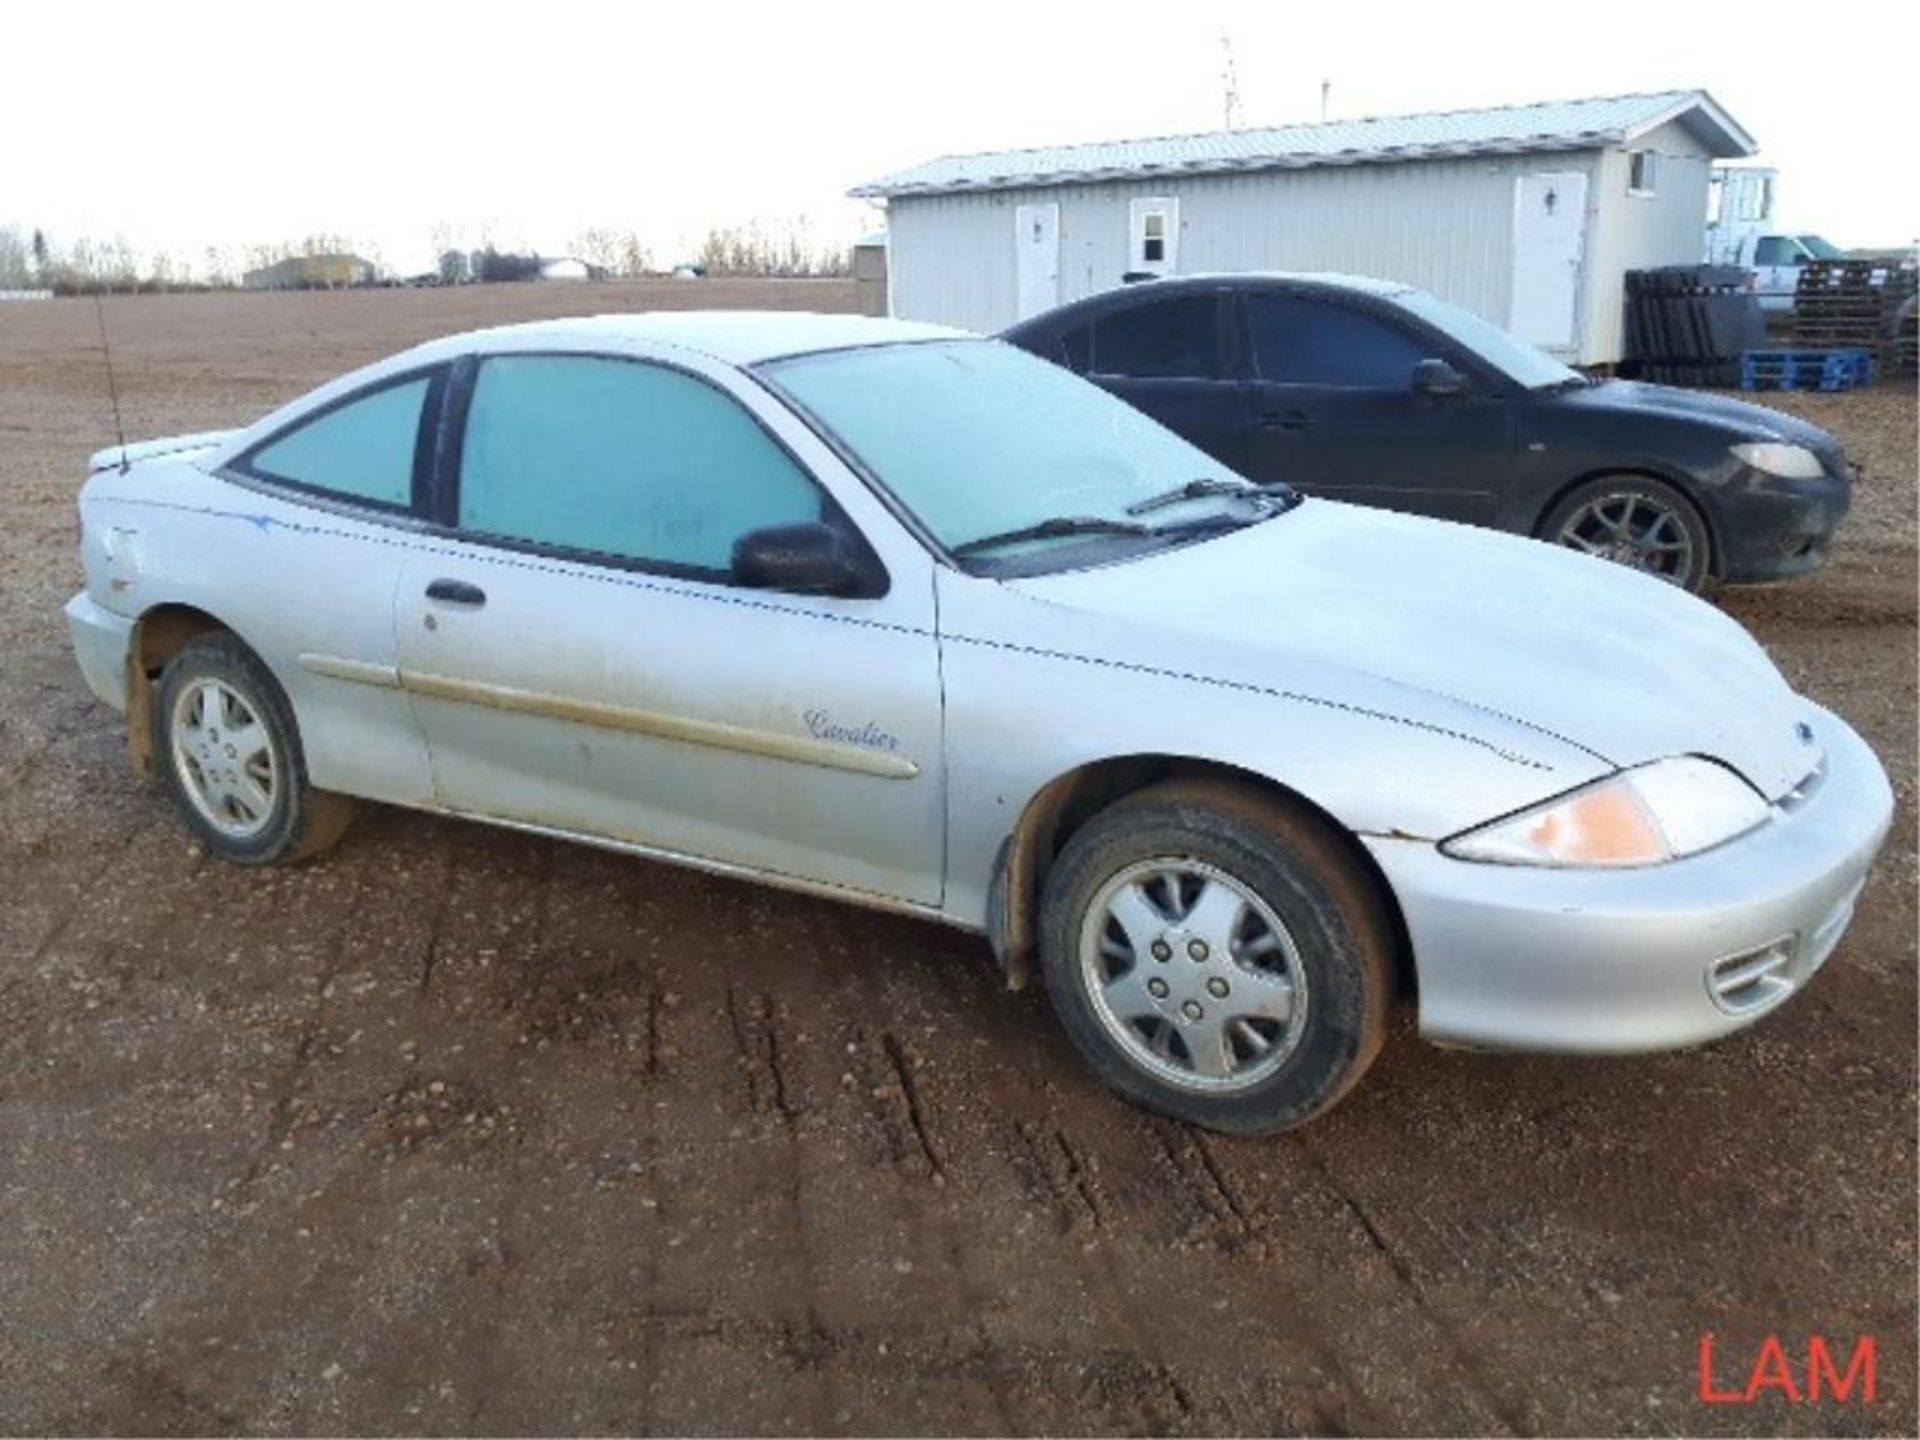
(1616, 961)
(1771, 529)
(100, 641)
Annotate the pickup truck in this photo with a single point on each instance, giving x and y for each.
(1775, 261)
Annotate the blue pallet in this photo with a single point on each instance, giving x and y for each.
(1839, 369)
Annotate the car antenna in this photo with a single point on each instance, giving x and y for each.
(113, 389)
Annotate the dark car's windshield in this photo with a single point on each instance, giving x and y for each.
(1519, 361)
(984, 442)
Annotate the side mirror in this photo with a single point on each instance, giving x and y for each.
(806, 559)
(1438, 380)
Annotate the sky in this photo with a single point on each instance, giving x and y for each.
(178, 126)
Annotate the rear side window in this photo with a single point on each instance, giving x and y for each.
(362, 450)
(1076, 348)
(1297, 341)
(1176, 339)
(622, 458)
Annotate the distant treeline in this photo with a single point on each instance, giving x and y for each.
(30, 259)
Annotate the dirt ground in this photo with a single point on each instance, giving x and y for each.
(462, 1130)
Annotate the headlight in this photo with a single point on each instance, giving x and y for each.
(1645, 816)
(1789, 462)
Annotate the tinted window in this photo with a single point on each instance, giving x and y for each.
(1076, 348)
(1309, 342)
(362, 450)
(1775, 250)
(1168, 339)
(621, 458)
(1525, 363)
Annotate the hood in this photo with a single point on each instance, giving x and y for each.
(1741, 419)
(1619, 664)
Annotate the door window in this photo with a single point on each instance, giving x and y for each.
(622, 458)
(1154, 225)
(1160, 340)
(362, 450)
(1776, 250)
(1297, 341)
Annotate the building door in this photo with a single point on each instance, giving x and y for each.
(1549, 233)
(1036, 240)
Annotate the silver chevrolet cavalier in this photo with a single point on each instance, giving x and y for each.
(909, 618)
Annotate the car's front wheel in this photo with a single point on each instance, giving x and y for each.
(233, 760)
(1218, 956)
(1636, 521)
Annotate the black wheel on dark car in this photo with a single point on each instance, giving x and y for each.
(231, 758)
(1635, 521)
(1218, 956)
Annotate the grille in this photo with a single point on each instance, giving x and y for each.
(1742, 984)
(1832, 928)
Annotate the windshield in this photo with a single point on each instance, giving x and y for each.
(1518, 360)
(1822, 248)
(981, 440)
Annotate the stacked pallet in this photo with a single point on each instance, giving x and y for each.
(1848, 303)
(1690, 324)
(1845, 368)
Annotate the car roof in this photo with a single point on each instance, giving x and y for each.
(735, 337)
(1244, 279)
(730, 337)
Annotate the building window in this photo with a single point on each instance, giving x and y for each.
(1155, 224)
(1153, 238)
(1643, 172)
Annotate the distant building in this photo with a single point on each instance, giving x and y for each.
(565, 268)
(1529, 215)
(870, 273)
(311, 272)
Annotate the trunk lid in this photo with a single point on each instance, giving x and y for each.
(116, 457)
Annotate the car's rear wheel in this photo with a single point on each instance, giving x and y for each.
(1636, 521)
(233, 761)
(1217, 956)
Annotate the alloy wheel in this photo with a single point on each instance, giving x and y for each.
(1639, 531)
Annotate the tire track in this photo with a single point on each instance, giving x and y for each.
(1510, 1414)
(925, 1215)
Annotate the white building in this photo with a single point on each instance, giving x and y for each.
(1529, 215)
(565, 268)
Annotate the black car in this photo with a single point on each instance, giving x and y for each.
(1381, 394)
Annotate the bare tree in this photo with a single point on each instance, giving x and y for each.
(15, 257)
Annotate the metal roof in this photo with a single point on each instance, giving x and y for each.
(1506, 130)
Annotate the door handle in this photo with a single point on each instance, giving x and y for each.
(457, 592)
(1285, 420)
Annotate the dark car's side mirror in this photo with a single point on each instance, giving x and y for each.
(808, 559)
(1438, 380)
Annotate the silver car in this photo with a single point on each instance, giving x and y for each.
(910, 618)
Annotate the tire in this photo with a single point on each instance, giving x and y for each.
(1636, 521)
(1261, 1038)
(230, 754)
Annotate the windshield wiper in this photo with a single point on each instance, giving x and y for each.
(1200, 489)
(1053, 527)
